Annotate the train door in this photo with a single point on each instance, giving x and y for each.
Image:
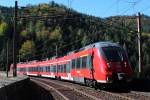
(90, 65)
(68, 69)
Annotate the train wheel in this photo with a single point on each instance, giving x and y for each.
(89, 82)
(59, 78)
(95, 85)
(86, 82)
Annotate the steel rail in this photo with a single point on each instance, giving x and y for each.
(81, 92)
(50, 87)
(118, 95)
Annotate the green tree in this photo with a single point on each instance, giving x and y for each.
(56, 34)
(24, 33)
(3, 28)
(27, 50)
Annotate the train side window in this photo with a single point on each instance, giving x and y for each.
(73, 63)
(58, 68)
(18, 69)
(54, 67)
(62, 68)
(50, 70)
(89, 61)
(78, 62)
(35, 68)
(65, 68)
(44, 68)
(84, 62)
(68, 66)
(40, 69)
(47, 68)
(51, 67)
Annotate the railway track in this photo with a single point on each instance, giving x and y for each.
(66, 92)
(130, 96)
(90, 93)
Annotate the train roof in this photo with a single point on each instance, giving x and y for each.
(100, 44)
(97, 44)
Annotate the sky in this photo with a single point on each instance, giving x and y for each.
(99, 8)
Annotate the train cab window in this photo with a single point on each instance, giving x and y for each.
(113, 53)
(84, 62)
(78, 62)
(73, 63)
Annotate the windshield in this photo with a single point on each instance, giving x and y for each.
(114, 54)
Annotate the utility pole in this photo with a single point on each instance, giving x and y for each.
(7, 57)
(139, 39)
(14, 40)
(56, 51)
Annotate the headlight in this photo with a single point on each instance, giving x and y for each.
(125, 64)
(108, 64)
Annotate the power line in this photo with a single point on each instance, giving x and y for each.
(110, 7)
(42, 17)
(133, 5)
(145, 9)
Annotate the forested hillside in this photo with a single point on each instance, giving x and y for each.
(42, 28)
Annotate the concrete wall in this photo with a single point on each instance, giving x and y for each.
(24, 90)
(9, 91)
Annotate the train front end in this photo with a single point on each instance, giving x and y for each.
(117, 67)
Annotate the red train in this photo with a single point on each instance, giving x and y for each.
(101, 62)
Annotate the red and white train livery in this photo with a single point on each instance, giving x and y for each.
(101, 62)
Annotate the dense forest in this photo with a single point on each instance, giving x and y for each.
(43, 28)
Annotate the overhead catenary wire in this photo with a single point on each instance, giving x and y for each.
(145, 9)
(134, 3)
(33, 17)
(111, 6)
(60, 47)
